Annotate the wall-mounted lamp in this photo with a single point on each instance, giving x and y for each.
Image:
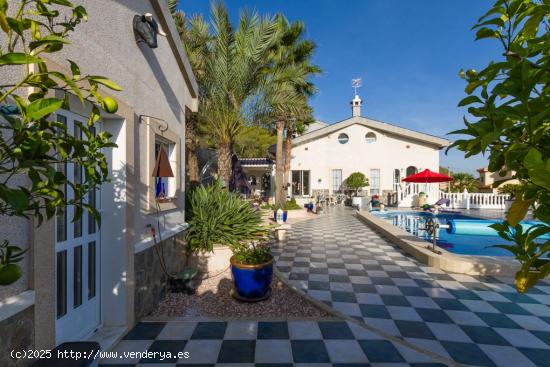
(162, 165)
(146, 29)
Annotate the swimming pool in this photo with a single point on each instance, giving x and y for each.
(413, 222)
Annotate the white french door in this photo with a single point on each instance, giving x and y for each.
(77, 248)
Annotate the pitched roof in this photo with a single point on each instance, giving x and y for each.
(377, 125)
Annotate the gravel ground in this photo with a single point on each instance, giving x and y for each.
(213, 300)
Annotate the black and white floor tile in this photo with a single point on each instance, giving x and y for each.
(473, 320)
(262, 344)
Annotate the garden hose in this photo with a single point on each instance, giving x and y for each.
(160, 251)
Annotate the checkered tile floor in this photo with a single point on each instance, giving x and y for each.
(264, 344)
(478, 321)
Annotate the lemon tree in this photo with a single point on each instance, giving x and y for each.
(509, 107)
(32, 144)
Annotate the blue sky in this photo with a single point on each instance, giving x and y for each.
(408, 53)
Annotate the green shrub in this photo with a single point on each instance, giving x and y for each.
(510, 189)
(289, 205)
(219, 217)
(356, 181)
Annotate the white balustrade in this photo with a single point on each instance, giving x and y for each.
(407, 196)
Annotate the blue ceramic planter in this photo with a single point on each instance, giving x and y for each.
(252, 281)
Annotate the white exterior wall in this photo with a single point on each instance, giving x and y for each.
(389, 152)
(152, 84)
(156, 82)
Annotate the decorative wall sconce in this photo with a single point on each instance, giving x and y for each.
(146, 29)
(162, 164)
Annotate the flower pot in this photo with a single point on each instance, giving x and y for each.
(211, 262)
(357, 201)
(252, 282)
(285, 215)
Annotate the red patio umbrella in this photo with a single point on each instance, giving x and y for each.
(427, 176)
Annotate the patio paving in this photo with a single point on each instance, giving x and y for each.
(474, 320)
(263, 344)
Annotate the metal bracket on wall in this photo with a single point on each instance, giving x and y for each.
(162, 129)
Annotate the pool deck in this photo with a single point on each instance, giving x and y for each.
(342, 263)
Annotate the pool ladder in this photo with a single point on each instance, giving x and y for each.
(431, 228)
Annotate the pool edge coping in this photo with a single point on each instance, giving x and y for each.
(418, 248)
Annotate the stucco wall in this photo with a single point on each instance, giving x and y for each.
(152, 81)
(154, 86)
(389, 152)
(17, 334)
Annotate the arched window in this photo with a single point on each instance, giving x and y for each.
(411, 170)
(343, 138)
(370, 137)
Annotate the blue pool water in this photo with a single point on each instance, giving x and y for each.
(412, 222)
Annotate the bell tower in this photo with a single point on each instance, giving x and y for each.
(356, 106)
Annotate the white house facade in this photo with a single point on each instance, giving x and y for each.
(325, 156)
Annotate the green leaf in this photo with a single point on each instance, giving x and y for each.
(531, 26)
(17, 26)
(18, 58)
(3, 6)
(4, 22)
(43, 107)
(486, 33)
(62, 2)
(17, 199)
(106, 82)
(540, 177)
(469, 100)
(517, 211)
(533, 159)
(75, 70)
(80, 13)
(51, 40)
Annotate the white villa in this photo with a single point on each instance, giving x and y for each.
(327, 154)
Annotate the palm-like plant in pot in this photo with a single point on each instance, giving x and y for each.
(219, 217)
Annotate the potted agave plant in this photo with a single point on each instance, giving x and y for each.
(219, 218)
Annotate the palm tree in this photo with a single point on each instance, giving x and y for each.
(234, 73)
(229, 65)
(195, 36)
(287, 90)
(463, 181)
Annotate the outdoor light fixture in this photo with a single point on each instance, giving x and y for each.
(162, 165)
(146, 29)
(162, 169)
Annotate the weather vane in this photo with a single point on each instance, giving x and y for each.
(356, 83)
